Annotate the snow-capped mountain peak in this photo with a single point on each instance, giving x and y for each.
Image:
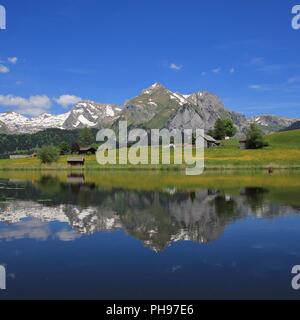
(91, 114)
(10, 117)
(83, 114)
(154, 88)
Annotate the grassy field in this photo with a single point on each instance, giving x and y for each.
(283, 152)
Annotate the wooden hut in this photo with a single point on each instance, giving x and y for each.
(243, 143)
(87, 150)
(210, 141)
(78, 161)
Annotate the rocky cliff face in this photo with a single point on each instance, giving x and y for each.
(152, 107)
(201, 111)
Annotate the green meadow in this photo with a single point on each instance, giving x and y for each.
(283, 153)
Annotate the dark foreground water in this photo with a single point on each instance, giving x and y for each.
(76, 239)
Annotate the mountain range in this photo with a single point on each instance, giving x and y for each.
(294, 126)
(155, 107)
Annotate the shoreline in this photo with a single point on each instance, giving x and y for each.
(208, 168)
(167, 181)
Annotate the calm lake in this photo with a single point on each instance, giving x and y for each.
(145, 235)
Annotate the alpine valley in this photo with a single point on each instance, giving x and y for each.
(155, 107)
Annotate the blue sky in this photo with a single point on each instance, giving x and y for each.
(244, 51)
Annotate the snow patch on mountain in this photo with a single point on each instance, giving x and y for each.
(91, 114)
(270, 123)
(182, 100)
(85, 122)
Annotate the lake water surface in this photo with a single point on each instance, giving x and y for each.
(142, 235)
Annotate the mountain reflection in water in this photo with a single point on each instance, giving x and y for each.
(157, 218)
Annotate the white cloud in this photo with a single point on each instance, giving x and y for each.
(261, 65)
(203, 73)
(256, 87)
(12, 60)
(66, 235)
(36, 105)
(232, 71)
(257, 61)
(216, 70)
(67, 100)
(32, 106)
(264, 87)
(175, 67)
(3, 69)
(292, 85)
(295, 79)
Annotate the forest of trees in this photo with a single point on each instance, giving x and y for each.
(28, 143)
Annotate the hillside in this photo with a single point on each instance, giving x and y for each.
(285, 140)
(10, 143)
